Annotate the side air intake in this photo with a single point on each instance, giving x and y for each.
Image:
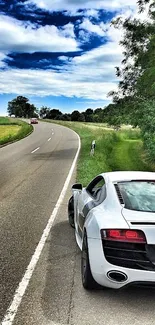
(119, 194)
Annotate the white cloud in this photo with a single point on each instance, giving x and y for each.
(63, 58)
(45, 83)
(74, 5)
(15, 36)
(92, 28)
(90, 76)
(68, 30)
(92, 13)
(83, 36)
(2, 58)
(105, 55)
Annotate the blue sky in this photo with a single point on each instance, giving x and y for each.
(60, 53)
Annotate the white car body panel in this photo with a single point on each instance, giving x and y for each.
(100, 267)
(111, 214)
(143, 218)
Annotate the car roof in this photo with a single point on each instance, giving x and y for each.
(129, 175)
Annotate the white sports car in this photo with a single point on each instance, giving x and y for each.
(114, 220)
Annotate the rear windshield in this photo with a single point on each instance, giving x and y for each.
(138, 195)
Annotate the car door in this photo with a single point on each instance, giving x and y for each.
(89, 198)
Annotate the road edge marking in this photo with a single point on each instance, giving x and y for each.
(20, 291)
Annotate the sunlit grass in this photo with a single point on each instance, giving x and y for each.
(4, 120)
(13, 129)
(115, 150)
(8, 132)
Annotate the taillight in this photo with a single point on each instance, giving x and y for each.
(134, 236)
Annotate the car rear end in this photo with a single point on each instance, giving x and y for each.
(121, 258)
(34, 121)
(126, 255)
(131, 252)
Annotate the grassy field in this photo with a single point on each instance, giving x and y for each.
(5, 120)
(13, 129)
(115, 150)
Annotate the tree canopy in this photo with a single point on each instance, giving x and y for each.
(20, 107)
(134, 102)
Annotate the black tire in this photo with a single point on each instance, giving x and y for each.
(71, 212)
(87, 279)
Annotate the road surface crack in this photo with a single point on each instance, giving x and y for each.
(71, 304)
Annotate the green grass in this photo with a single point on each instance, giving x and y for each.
(13, 130)
(8, 131)
(4, 120)
(115, 150)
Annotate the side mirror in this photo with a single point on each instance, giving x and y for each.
(77, 186)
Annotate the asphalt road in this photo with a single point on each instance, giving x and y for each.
(32, 174)
(55, 295)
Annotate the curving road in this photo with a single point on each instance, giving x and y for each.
(32, 174)
(30, 184)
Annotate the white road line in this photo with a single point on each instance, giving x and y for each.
(19, 293)
(49, 139)
(35, 150)
(53, 133)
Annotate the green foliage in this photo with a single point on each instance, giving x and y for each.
(89, 115)
(53, 113)
(44, 111)
(114, 151)
(64, 117)
(20, 107)
(75, 115)
(5, 121)
(22, 130)
(137, 40)
(81, 117)
(134, 102)
(121, 150)
(146, 82)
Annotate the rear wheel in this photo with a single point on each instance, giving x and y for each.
(87, 278)
(71, 212)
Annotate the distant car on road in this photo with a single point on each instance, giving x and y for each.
(114, 220)
(33, 120)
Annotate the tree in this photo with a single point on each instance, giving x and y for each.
(44, 111)
(89, 111)
(98, 110)
(138, 36)
(98, 115)
(81, 117)
(63, 117)
(75, 116)
(20, 107)
(146, 82)
(89, 115)
(135, 97)
(53, 113)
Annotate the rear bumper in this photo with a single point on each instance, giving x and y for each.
(100, 268)
(133, 277)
